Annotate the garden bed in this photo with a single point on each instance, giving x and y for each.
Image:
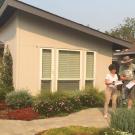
(3, 105)
(23, 114)
(3, 110)
(17, 114)
(22, 106)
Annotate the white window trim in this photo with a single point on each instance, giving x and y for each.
(89, 79)
(95, 60)
(68, 79)
(54, 72)
(45, 79)
(82, 70)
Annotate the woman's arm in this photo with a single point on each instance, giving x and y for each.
(107, 82)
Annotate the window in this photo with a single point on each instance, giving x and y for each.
(69, 70)
(89, 69)
(46, 69)
(88, 84)
(45, 85)
(66, 70)
(68, 85)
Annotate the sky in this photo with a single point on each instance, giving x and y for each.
(102, 15)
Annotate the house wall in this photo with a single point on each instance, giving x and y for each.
(8, 35)
(35, 33)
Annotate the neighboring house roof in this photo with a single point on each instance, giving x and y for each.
(130, 51)
(10, 6)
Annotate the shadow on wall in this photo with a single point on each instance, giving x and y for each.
(8, 30)
(64, 34)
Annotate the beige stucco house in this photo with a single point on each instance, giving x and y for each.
(52, 53)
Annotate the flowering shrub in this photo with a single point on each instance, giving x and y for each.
(123, 120)
(57, 103)
(92, 98)
(19, 99)
(53, 107)
(23, 114)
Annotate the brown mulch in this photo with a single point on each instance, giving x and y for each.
(3, 114)
(25, 114)
(3, 105)
(3, 110)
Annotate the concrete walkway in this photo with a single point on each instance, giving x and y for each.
(87, 118)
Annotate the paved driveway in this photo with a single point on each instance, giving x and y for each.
(88, 118)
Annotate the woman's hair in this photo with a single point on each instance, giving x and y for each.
(112, 67)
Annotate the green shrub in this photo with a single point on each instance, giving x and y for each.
(123, 120)
(19, 99)
(52, 104)
(92, 98)
(67, 102)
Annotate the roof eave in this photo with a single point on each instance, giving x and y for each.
(123, 53)
(65, 22)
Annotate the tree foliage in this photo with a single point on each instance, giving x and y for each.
(7, 70)
(6, 78)
(124, 31)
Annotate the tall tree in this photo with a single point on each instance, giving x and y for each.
(124, 31)
(7, 71)
(6, 76)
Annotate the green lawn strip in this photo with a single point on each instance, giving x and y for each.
(74, 130)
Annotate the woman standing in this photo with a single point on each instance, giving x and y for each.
(111, 89)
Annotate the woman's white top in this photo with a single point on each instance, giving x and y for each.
(111, 78)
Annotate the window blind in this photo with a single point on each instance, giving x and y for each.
(69, 64)
(89, 65)
(46, 63)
